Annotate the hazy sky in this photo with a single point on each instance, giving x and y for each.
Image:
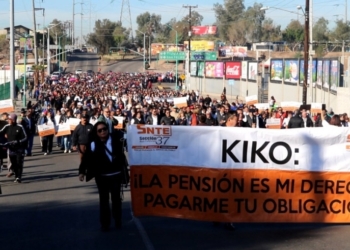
(100, 9)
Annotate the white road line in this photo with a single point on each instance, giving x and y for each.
(143, 233)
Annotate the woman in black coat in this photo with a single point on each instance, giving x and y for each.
(104, 160)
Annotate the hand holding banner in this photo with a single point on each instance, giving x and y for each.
(63, 129)
(46, 129)
(73, 122)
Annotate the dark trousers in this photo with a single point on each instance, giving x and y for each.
(30, 143)
(17, 164)
(47, 143)
(109, 185)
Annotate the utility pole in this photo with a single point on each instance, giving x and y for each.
(12, 49)
(306, 50)
(189, 30)
(73, 27)
(35, 47)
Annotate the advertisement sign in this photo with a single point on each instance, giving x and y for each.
(276, 70)
(214, 69)
(291, 71)
(233, 51)
(252, 71)
(312, 72)
(319, 73)
(26, 43)
(246, 175)
(335, 72)
(244, 73)
(156, 48)
(200, 71)
(233, 70)
(326, 74)
(201, 45)
(193, 68)
(204, 30)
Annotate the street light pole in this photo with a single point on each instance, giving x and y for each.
(306, 51)
(48, 47)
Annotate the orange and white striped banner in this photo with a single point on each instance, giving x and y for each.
(241, 174)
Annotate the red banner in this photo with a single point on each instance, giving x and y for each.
(204, 30)
(233, 70)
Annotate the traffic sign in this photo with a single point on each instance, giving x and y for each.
(172, 55)
(204, 56)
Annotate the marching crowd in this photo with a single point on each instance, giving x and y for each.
(119, 99)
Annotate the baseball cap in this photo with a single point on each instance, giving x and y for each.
(13, 117)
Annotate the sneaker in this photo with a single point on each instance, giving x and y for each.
(17, 180)
(45, 153)
(65, 151)
(69, 151)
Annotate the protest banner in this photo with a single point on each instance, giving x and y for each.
(316, 108)
(6, 106)
(180, 102)
(273, 123)
(120, 120)
(246, 175)
(63, 129)
(73, 122)
(290, 106)
(262, 106)
(251, 100)
(46, 129)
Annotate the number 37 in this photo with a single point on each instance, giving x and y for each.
(162, 140)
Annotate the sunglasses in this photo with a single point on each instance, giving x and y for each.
(102, 130)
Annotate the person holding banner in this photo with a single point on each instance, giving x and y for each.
(104, 160)
(17, 139)
(47, 141)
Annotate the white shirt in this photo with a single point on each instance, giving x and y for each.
(155, 120)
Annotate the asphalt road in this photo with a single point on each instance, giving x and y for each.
(51, 209)
(89, 61)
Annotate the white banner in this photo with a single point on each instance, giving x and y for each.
(251, 100)
(180, 102)
(290, 106)
(6, 106)
(313, 149)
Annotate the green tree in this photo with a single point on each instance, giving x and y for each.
(341, 32)
(227, 13)
(120, 34)
(254, 18)
(294, 32)
(320, 30)
(147, 23)
(270, 32)
(102, 37)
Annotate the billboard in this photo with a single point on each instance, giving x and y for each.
(233, 70)
(252, 71)
(200, 69)
(319, 73)
(193, 68)
(156, 48)
(244, 72)
(312, 71)
(291, 71)
(233, 51)
(214, 69)
(326, 68)
(276, 68)
(204, 30)
(203, 45)
(335, 72)
(26, 43)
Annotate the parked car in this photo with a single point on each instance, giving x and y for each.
(84, 50)
(77, 51)
(78, 71)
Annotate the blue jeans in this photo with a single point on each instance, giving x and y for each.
(67, 142)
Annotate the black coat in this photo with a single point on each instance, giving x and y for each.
(296, 122)
(94, 162)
